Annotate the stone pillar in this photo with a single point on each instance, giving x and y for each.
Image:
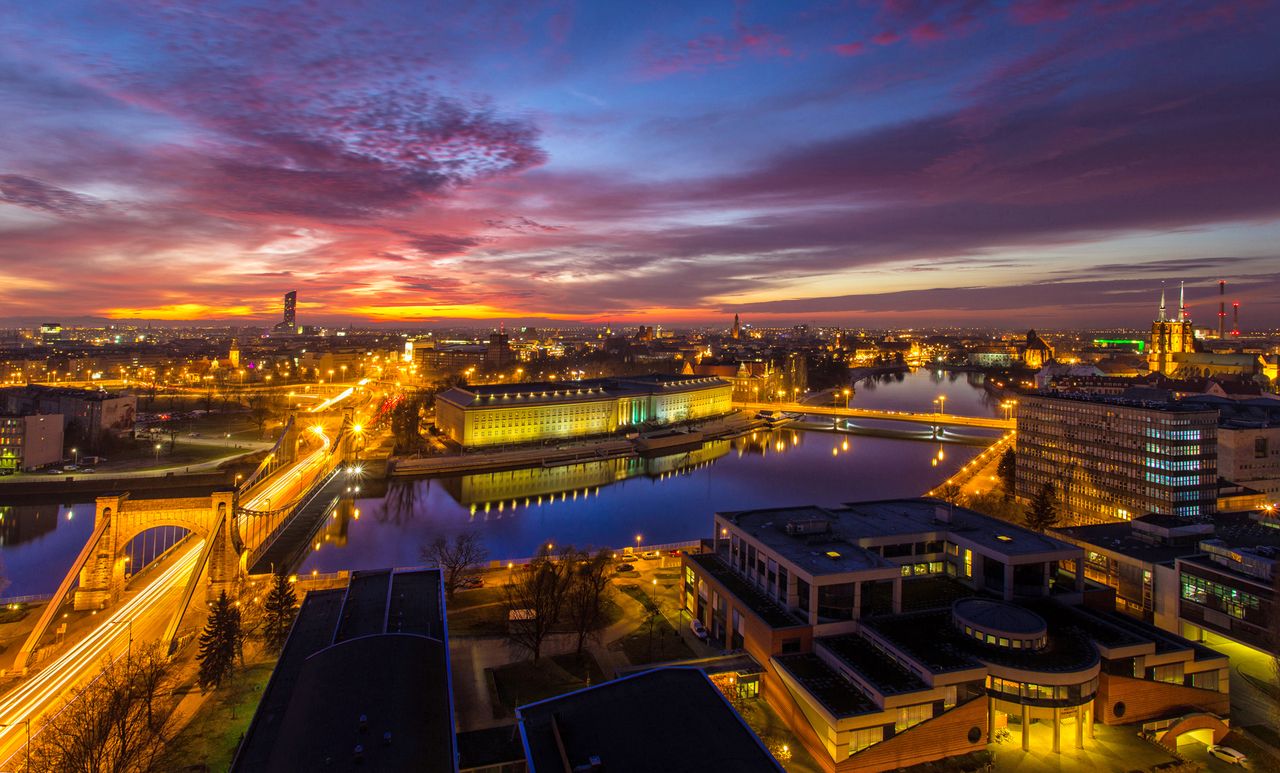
(857, 600)
(897, 595)
(1057, 730)
(1026, 729)
(1089, 715)
(98, 577)
(813, 603)
(1008, 582)
(224, 563)
(991, 719)
(1080, 714)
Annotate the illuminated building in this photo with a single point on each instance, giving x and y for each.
(94, 413)
(51, 331)
(1038, 352)
(498, 414)
(1116, 459)
(1174, 350)
(899, 632)
(290, 321)
(30, 442)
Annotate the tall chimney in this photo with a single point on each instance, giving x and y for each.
(1235, 324)
(1222, 308)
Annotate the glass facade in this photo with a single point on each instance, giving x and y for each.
(1114, 460)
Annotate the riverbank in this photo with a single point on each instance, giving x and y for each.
(733, 425)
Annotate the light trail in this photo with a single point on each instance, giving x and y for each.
(46, 689)
(343, 395)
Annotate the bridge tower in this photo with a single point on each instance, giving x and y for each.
(118, 519)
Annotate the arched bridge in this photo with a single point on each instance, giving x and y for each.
(232, 528)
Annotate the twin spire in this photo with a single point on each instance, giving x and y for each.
(1182, 303)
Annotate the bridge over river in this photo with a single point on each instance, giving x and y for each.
(931, 419)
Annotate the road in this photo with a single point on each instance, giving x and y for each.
(933, 419)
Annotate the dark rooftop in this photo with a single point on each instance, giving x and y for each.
(877, 668)
(840, 696)
(672, 719)
(375, 649)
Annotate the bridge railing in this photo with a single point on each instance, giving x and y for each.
(271, 463)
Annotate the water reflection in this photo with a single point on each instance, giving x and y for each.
(605, 503)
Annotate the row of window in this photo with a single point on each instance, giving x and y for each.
(1233, 601)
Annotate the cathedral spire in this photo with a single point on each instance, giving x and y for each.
(1162, 303)
(1182, 301)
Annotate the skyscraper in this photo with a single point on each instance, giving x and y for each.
(291, 310)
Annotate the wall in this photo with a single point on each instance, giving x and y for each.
(1239, 462)
(1146, 700)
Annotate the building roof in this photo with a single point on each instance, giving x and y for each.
(587, 390)
(673, 719)
(838, 540)
(771, 612)
(838, 695)
(871, 663)
(363, 680)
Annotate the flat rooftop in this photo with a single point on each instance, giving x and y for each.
(586, 390)
(868, 661)
(672, 719)
(809, 535)
(838, 695)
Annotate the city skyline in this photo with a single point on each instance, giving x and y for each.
(1031, 163)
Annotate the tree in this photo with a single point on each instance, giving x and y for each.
(590, 590)
(1007, 470)
(221, 643)
(536, 594)
(951, 492)
(120, 721)
(456, 559)
(406, 422)
(1043, 511)
(279, 609)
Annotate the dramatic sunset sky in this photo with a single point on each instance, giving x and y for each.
(1034, 162)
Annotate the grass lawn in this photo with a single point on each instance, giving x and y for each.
(664, 644)
(528, 682)
(214, 732)
(478, 621)
(474, 597)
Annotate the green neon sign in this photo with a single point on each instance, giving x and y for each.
(1117, 341)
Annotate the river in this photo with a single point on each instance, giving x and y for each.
(607, 503)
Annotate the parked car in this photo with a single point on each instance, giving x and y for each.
(698, 629)
(470, 581)
(1228, 755)
(625, 568)
(651, 555)
(53, 471)
(86, 470)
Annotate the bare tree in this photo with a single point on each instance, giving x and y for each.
(536, 594)
(119, 722)
(456, 559)
(590, 590)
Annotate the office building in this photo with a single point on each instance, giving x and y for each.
(899, 632)
(1116, 458)
(498, 414)
(363, 682)
(30, 442)
(290, 320)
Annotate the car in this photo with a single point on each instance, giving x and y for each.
(624, 568)
(651, 555)
(1228, 755)
(698, 629)
(470, 581)
(86, 470)
(53, 471)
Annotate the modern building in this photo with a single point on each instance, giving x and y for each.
(87, 412)
(288, 325)
(30, 442)
(1116, 458)
(498, 353)
(497, 414)
(899, 632)
(363, 682)
(670, 719)
(1199, 579)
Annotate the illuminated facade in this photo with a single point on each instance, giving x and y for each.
(28, 442)
(502, 414)
(898, 632)
(1113, 459)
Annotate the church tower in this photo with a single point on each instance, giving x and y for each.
(737, 327)
(233, 354)
(1170, 337)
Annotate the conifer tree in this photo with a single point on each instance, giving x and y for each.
(220, 643)
(1043, 511)
(280, 607)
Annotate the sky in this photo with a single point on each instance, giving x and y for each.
(1027, 163)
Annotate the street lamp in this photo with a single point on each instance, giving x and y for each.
(847, 392)
(26, 722)
(157, 453)
(942, 403)
(75, 456)
(638, 539)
